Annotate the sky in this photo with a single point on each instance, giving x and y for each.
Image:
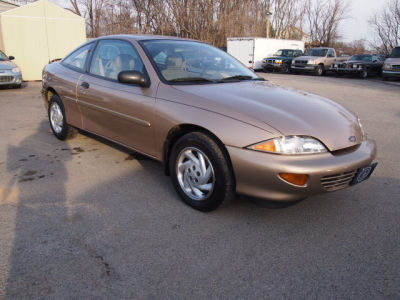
(355, 27)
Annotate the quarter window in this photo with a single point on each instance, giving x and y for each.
(112, 57)
(78, 58)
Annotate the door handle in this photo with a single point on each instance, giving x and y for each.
(85, 85)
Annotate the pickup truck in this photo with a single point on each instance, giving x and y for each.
(391, 67)
(281, 60)
(317, 60)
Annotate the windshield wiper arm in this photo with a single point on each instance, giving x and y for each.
(240, 77)
(191, 79)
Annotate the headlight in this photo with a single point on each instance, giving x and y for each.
(355, 66)
(264, 61)
(278, 61)
(290, 145)
(335, 66)
(312, 62)
(362, 129)
(15, 70)
(387, 67)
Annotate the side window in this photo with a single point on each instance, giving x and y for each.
(330, 53)
(112, 57)
(78, 58)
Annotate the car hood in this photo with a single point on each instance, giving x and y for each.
(278, 57)
(392, 61)
(7, 65)
(281, 111)
(359, 62)
(308, 57)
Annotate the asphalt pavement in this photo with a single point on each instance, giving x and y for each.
(86, 219)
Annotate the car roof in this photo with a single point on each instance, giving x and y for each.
(141, 37)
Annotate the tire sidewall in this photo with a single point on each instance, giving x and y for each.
(62, 135)
(220, 166)
(364, 74)
(319, 71)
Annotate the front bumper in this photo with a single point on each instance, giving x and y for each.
(347, 70)
(257, 173)
(10, 78)
(309, 68)
(272, 67)
(390, 73)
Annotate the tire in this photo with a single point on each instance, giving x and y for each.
(204, 191)
(319, 70)
(286, 68)
(364, 74)
(57, 120)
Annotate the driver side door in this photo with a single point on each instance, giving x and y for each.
(123, 113)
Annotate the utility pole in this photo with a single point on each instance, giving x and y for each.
(268, 14)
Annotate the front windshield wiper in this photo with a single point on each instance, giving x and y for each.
(190, 79)
(240, 77)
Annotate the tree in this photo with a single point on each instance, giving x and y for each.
(386, 26)
(323, 18)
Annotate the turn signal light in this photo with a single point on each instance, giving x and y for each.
(297, 179)
(268, 146)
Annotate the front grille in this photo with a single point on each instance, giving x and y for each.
(396, 68)
(6, 78)
(301, 62)
(337, 181)
(270, 61)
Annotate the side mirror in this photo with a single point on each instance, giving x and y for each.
(134, 77)
(11, 57)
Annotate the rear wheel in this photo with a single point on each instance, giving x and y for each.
(200, 172)
(57, 119)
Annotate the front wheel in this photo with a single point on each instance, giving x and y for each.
(286, 68)
(319, 70)
(200, 172)
(57, 119)
(363, 74)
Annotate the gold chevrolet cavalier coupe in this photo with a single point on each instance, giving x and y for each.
(217, 128)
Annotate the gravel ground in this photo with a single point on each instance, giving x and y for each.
(86, 219)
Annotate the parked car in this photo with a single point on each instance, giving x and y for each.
(362, 65)
(281, 61)
(317, 60)
(391, 67)
(10, 74)
(214, 124)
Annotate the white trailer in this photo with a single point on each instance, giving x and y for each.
(250, 51)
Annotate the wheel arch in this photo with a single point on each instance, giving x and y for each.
(48, 93)
(180, 130)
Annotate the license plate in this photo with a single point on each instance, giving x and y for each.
(363, 173)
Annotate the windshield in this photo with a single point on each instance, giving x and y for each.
(286, 53)
(395, 53)
(317, 52)
(361, 57)
(3, 57)
(190, 61)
